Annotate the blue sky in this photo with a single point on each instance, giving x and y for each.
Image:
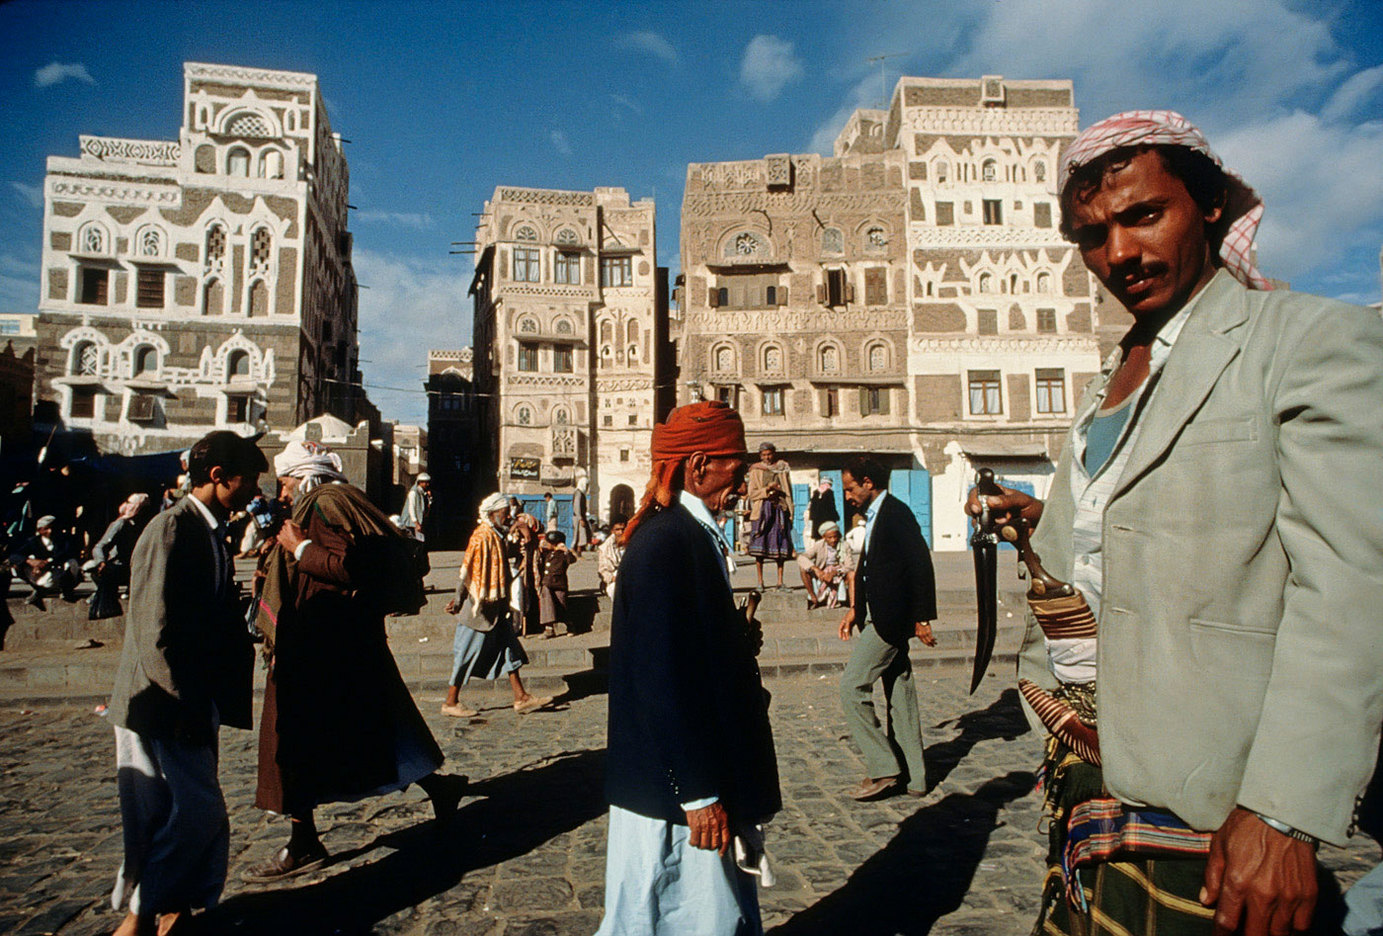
(442, 102)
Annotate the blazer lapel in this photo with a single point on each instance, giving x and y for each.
(1201, 353)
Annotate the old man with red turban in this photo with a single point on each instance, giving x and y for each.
(691, 768)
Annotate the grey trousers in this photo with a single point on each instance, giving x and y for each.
(871, 659)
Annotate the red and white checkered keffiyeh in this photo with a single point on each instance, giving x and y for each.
(1155, 127)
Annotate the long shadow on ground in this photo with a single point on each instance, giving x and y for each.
(519, 812)
(921, 875)
(1003, 718)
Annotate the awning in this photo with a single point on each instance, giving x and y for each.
(1003, 448)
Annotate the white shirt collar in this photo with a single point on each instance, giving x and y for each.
(205, 511)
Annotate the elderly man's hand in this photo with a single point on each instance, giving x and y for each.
(1003, 506)
(291, 536)
(923, 630)
(1259, 879)
(710, 828)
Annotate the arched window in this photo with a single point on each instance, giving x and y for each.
(249, 124)
(145, 360)
(875, 239)
(213, 298)
(525, 233)
(260, 244)
(878, 358)
(631, 331)
(830, 360)
(528, 327)
(215, 245)
(150, 242)
(86, 359)
(607, 332)
(773, 359)
(560, 415)
(238, 162)
(92, 239)
(259, 299)
(986, 283)
(832, 241)
(943, 169)
(722, 296)
(989, 171)
(725, 359)
(1044, 284)
(270, 164)
(523, 416)
(238, 364)
(1013, 284)
(1039, 171)
(744, 244)
(563, 327)
(567, 237)
(292, 120)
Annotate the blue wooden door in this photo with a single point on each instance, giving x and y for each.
(801, 495)
(913, 487)
(536, 505)
(838, 495)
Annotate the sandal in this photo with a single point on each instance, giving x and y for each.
(285, 864)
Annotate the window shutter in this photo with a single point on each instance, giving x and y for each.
(782, 295)
(864, 401)
(821, 294)
(849, 293)
(713, 298)
(884, 394)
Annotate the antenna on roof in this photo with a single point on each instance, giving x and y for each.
(883, 90)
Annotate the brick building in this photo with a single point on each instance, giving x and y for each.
(206, 282)
(571, 325)
(909, 296)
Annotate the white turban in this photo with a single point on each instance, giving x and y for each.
(496, 501)
(309, 462)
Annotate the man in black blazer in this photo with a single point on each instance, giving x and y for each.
(186, 669)
(691, 766)
(892, 599)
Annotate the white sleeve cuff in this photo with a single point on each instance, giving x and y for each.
(302, 547)
(700, 803)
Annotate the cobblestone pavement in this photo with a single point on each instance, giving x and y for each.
(526, 853)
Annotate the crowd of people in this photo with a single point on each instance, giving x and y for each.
(1207, 530)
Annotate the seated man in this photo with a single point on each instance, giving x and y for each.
(48, 562)
(825, 564)
(608, 557)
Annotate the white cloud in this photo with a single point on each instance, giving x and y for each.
(412, 304)
(56, 73)
(412, 219)
(560, 142)
(768, 66)
(1322, 184)
(650, 42)
(33, 194)
(629, 104)
(1353, 93)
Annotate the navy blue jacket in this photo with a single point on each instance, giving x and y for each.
(895, 579)
(688, 713)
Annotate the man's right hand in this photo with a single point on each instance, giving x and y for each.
(710, 828)
(846, 623)
(1002, 507)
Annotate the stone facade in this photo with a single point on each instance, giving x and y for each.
(909, 296)
(570, 332)
(454, 450)
(204, 283)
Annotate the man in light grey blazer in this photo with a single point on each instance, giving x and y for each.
(1217, 505)
(185, 670)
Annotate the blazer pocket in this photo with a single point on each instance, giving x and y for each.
(1236, 429)
(1232, 651)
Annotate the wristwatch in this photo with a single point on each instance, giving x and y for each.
(1287, 830)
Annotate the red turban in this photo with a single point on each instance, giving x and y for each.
(710, 427)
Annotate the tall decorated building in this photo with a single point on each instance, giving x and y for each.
(570, 327)
(909, 296)
(204, 283)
